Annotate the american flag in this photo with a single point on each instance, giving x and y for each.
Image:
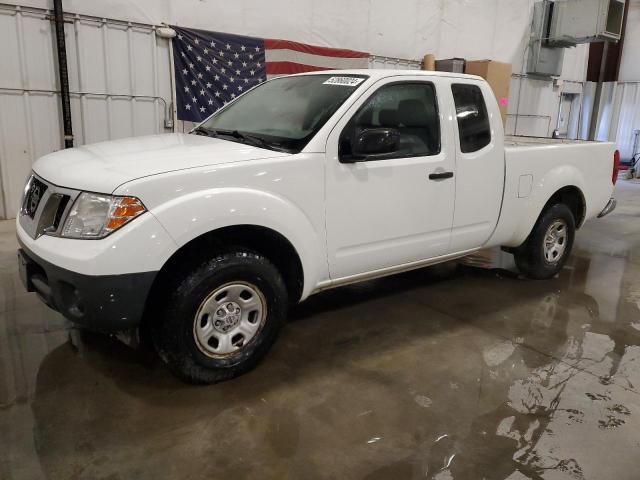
(212, 68)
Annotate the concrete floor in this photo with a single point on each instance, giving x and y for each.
(461, 371)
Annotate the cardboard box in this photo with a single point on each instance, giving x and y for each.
(498, 75)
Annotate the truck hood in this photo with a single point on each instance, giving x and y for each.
(102, 167)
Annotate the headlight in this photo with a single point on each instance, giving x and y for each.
(96, 216)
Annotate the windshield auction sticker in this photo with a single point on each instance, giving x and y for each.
(344, 81)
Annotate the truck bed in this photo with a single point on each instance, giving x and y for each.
(536, 168)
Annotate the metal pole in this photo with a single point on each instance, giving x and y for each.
(63, 73)
(174, 102)
(595, 111)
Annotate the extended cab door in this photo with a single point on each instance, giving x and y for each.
(479, 163)
(387, 210)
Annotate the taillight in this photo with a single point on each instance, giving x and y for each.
(616, 166)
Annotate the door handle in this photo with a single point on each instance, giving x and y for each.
(440, 175)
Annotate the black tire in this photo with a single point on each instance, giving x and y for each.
(173, 333)
(530, 256)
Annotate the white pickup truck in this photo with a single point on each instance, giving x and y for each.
(303, 183)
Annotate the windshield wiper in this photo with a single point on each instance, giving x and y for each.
(256, 140)
(230, 133)
(200, 130)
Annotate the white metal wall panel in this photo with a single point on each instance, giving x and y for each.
(627, 112)
(618, 114)
(605, 129)
(472, 29)
(588, 100)
(119, 78)
(629, 64)
(114, 57)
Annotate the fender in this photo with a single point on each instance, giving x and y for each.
(192, 215)
(543, 189)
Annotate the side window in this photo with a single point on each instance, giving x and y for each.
(409, 108)
(473, 121)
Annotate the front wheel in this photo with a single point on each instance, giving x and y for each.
(547, 248)
(221, 318)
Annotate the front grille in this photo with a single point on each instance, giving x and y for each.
(44, 207)
(33, 197)
(62, 206)
(49, 220)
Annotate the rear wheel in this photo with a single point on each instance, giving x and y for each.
(547, 248)
(221, 318)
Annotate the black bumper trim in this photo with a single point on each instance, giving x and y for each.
(106, 303)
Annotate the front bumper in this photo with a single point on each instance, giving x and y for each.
(610, 207)
(106, 303)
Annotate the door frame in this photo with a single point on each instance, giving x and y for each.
(446, 117)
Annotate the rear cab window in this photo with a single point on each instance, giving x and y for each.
(474, 127)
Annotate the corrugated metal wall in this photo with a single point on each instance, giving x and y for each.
(119, 78)
(121, 86)
(626, 112)
(618, 114)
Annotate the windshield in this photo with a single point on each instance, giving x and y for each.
(284, 113)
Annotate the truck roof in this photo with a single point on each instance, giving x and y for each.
(377, 73)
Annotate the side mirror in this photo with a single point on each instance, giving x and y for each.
(373, 143)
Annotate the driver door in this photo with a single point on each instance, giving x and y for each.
(384, 211)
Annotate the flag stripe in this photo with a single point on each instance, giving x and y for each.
(286, 55)
(288, 68)
(271, 44)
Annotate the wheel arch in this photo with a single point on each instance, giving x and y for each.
(263, 240)
(572, 197)
(569, 195)
(561, 185)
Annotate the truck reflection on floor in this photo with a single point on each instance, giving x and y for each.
(554, 388)
(567, 397)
